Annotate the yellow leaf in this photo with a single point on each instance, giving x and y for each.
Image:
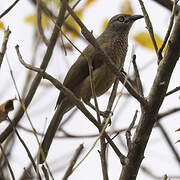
(70, 21)
(88, 2)
(126, 7)
(105, 23)
(144, 39)
(2, 25)
(32, 19)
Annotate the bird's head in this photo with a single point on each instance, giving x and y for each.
(122, 22)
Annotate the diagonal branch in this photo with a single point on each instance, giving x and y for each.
(38, 77)
(4, 45)
(168, 140)
(73, 161)
(169, 29)
(8, 9)
(168, 4)
(173, 91)
(149, 26)
(155, 99)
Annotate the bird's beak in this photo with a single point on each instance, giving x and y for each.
(136, 17)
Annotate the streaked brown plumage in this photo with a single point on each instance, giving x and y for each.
(114, 41)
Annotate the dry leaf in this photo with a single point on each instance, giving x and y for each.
(2, 25)
(88, 2)
(32, 19)
(5, 108)
(126, 7)
(144, 39)
(73, 23)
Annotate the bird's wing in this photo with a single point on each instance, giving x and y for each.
(80, 70)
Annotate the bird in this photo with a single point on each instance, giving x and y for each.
(114, 41)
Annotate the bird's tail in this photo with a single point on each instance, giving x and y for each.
(50, 133)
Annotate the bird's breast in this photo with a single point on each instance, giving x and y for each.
(117, 51)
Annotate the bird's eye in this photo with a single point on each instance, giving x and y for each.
(121, 19)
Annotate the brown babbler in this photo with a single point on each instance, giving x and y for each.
(114, 41)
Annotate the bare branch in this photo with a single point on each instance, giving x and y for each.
(155, 99)
(168, 4)
(93, 88)
(38, 77)
(168, 140)
(73, 162)
(137, 76)
(173, 91)
(39, 25)
(27, 150)
(168, 112)
(7, 10)
(169, 29)
(4, 45)
(46, 175)
(149, 26)
(6, 159)
(128, 132)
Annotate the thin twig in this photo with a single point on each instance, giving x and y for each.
(169, 29)
(8, 164)
(41, 5)
(168, 4)
(113, 95)
(7, 10)
(73, 162)
(4, 45)
(71, 135)
(103, 158)
(137, 76)
(168, 140)
(29, 74)
(46, 175)
(39, 25)
(104, 146)
(93, 88)
(168, 112)
(37, 79)
(128, 132)
(173, 91)
(25, 110)
(149, 25)
(49, 170)
(69, 117)
(27, 150)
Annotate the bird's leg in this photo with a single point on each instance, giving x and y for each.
(105, 114)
